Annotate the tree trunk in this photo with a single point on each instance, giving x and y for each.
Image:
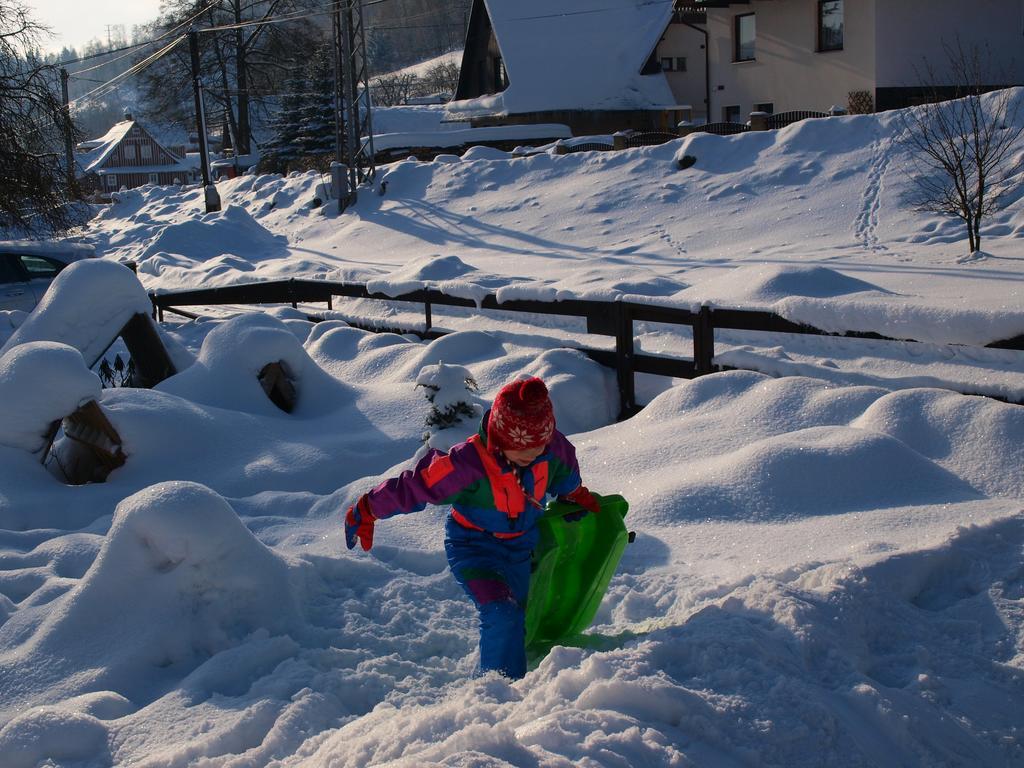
(242, 86)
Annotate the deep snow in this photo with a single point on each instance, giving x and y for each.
(828, 570)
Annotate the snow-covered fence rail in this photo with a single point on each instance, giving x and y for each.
(606, 318)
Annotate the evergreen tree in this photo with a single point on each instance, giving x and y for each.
(316, 137)
(284, 147)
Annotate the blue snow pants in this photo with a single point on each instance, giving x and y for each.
(495, 573)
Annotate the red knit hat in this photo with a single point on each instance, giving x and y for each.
(521, 417)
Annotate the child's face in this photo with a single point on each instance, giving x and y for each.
(524, 456)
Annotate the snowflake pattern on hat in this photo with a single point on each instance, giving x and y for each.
(522, 416)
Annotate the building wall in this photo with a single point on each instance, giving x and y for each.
(912, 31)
(788, 72)
(688, 87)
(136, 138)
(478, 70)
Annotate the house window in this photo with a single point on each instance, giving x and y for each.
(744, 34)
(667, 64)
(830, 25)
(731, 114)
(110, 181)
(768, 107)
(145, 151)
(129, 151)
(154, 178)
(680, 63)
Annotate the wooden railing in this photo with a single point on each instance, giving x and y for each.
(606, 318)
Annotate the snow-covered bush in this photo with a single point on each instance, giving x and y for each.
(451, 391)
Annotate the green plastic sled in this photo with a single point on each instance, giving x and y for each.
(572, 565)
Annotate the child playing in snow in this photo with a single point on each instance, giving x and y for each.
(496, 483)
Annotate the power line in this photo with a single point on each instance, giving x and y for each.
(134, 46)
(131, 71)
(283, 19)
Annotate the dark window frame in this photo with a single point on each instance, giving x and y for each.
(768, 107)
(832, 46)
(10, 266)
(728, 110)
(670, 62)
(55, 265)
(680, 64)
(737, 44)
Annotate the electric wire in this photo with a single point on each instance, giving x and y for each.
(133, 47)
(131, 71)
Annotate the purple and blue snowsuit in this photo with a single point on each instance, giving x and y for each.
(491, 529)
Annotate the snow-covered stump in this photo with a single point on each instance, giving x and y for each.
(89, 448)
(88, 306)
(44, 386)
(279, 385)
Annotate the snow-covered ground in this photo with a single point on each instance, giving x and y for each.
(829, 562)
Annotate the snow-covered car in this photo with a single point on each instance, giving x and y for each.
(27, 267)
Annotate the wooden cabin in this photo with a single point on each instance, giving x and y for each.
(128, 156)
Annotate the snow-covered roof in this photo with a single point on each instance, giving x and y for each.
(105, 145)
(47, 247)
(575, 54)
(99, 151)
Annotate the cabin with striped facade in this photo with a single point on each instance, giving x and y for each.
(128, 156)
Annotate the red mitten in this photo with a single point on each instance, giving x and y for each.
(585, 499)
(359, 524)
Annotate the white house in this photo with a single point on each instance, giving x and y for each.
(597, 67)
(860, 55)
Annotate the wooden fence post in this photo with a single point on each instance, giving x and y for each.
(703, 342)
(624, 360)
(152, 363)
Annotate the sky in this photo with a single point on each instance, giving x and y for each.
(75, 23)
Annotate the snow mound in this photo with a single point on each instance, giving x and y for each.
(766, 284)
(40, 382)
(801, 447)
(225, 374)
(86, 306)
(179, 579)
(52, 736)
(230, 231)
(817, 471)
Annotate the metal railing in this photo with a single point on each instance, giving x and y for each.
(606, 318)
(782, 119)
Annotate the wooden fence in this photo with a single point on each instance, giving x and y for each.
(606, 318)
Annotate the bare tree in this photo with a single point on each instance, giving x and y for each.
(441, 78)
(243, 64)
(36, 195)
(393, 89)
(962, 140)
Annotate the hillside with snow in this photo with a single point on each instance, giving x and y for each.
(829, 560)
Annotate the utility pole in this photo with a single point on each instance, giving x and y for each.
(354, 89)
(69, 149)
(210, 194)
(339, 170)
